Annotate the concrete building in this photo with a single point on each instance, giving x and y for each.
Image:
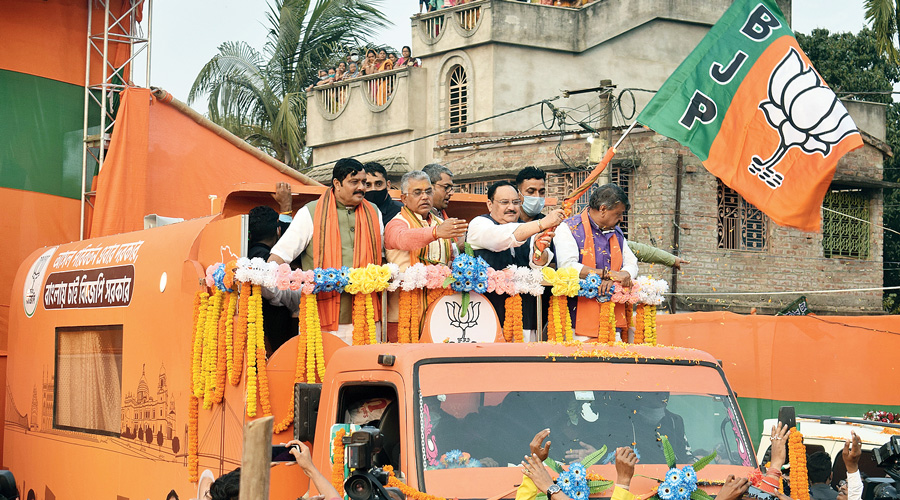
(489, 57)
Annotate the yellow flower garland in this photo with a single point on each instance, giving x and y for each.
(210, 348)
(370, 320)
(337, 465)
(251, 360)
(797, 459)
(222, 353)
(261, 370)
(650, 325)
(229, 336)
(240, 335)
(197, 347)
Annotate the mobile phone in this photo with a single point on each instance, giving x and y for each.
(755, 492)
(283, 453)
(787, 416)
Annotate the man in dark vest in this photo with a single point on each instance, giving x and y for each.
(501, 240)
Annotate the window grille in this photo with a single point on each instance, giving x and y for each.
(468, 18)
(459, 97)
(842, 236)
(562, 185)
(740, 225)
(478, 187)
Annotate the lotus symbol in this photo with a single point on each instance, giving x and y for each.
(471, 319)
(804, 111)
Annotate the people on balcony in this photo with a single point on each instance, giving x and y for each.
(339, 75)
(383, 63)
(369, 66)
(406, 59)
(352, 72)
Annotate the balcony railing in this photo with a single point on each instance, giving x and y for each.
(377, 89)
(433, 27)
(468, 18)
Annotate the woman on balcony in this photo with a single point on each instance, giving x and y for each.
(369, 66)
(407, 59)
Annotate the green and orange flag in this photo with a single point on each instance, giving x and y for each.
(750, 105)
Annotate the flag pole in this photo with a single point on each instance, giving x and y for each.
(580, 190)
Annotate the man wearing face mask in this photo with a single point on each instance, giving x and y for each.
(501, 240)
(531, 182)
(377, 187)
(650, 421)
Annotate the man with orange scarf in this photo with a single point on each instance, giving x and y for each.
(415, 236)
(591, 241)
(339, 229)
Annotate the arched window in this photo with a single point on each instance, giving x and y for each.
(459, 98)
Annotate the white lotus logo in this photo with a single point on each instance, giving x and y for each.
(804, 111)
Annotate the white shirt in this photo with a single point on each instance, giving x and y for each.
(567, 251)
(854, 486)
(298, 235)
(483, 234)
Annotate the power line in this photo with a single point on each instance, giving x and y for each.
(439, 132)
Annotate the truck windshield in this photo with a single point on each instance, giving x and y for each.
(485, 414)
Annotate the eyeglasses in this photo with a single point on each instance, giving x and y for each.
(419, 192)
(506, 203)
(446, 187)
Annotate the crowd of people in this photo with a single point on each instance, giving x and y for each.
(356, 222)
(373, 62)
(774, 481)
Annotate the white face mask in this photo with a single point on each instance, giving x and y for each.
(354, 58)
(532, 205)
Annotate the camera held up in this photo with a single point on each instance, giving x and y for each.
(367, 481)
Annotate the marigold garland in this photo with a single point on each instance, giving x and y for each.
(370, 320)
(607, 328)
(240, 335)
(409, 491)
(300, 367)
(210, 347)
(252, 333)
(193, 439)
(222, 352)
(359, 320)
(337, 467)
(650, 325)
(797, 458)
(639, 324)
(261, 371)
(229, 338)
(200, 306)
(567, 318)
(512, 324)
(629, 321)
(554, 324)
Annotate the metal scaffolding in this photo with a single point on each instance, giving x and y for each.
(118, 32)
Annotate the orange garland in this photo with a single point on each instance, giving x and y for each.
(405, 316)
(797, 459)
(639, 324)
(240, 335)
(629, 311)
(607, 332)
(337, 468)
(409, 491)
(512, 325)
(359, 320)
(299, 368)
(193, 439)
(567, 318)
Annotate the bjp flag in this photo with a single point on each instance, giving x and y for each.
(750, 105)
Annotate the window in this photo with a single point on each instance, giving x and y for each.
(843, 236)
(740, 225)
(620, 175)
(89, 379)
(562, 185)
(478, 187)
(459, 97)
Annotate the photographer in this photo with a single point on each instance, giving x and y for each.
(304, 460)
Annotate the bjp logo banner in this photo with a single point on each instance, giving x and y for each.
(750, 105)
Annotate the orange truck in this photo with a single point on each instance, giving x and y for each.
(98, 377)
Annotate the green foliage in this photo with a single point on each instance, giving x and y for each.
(594, 457)
(703, 462)
(261, 96)
(668, 452)
(699, 494)
(598, 486)
(884, 15)
(855, 63)
(553, 464)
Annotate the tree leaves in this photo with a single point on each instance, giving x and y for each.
(699, 494)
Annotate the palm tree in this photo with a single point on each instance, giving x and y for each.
(885, 18)
(261, 97)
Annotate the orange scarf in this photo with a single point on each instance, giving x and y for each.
(588, 312)
(421, 255)
(327, 250)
